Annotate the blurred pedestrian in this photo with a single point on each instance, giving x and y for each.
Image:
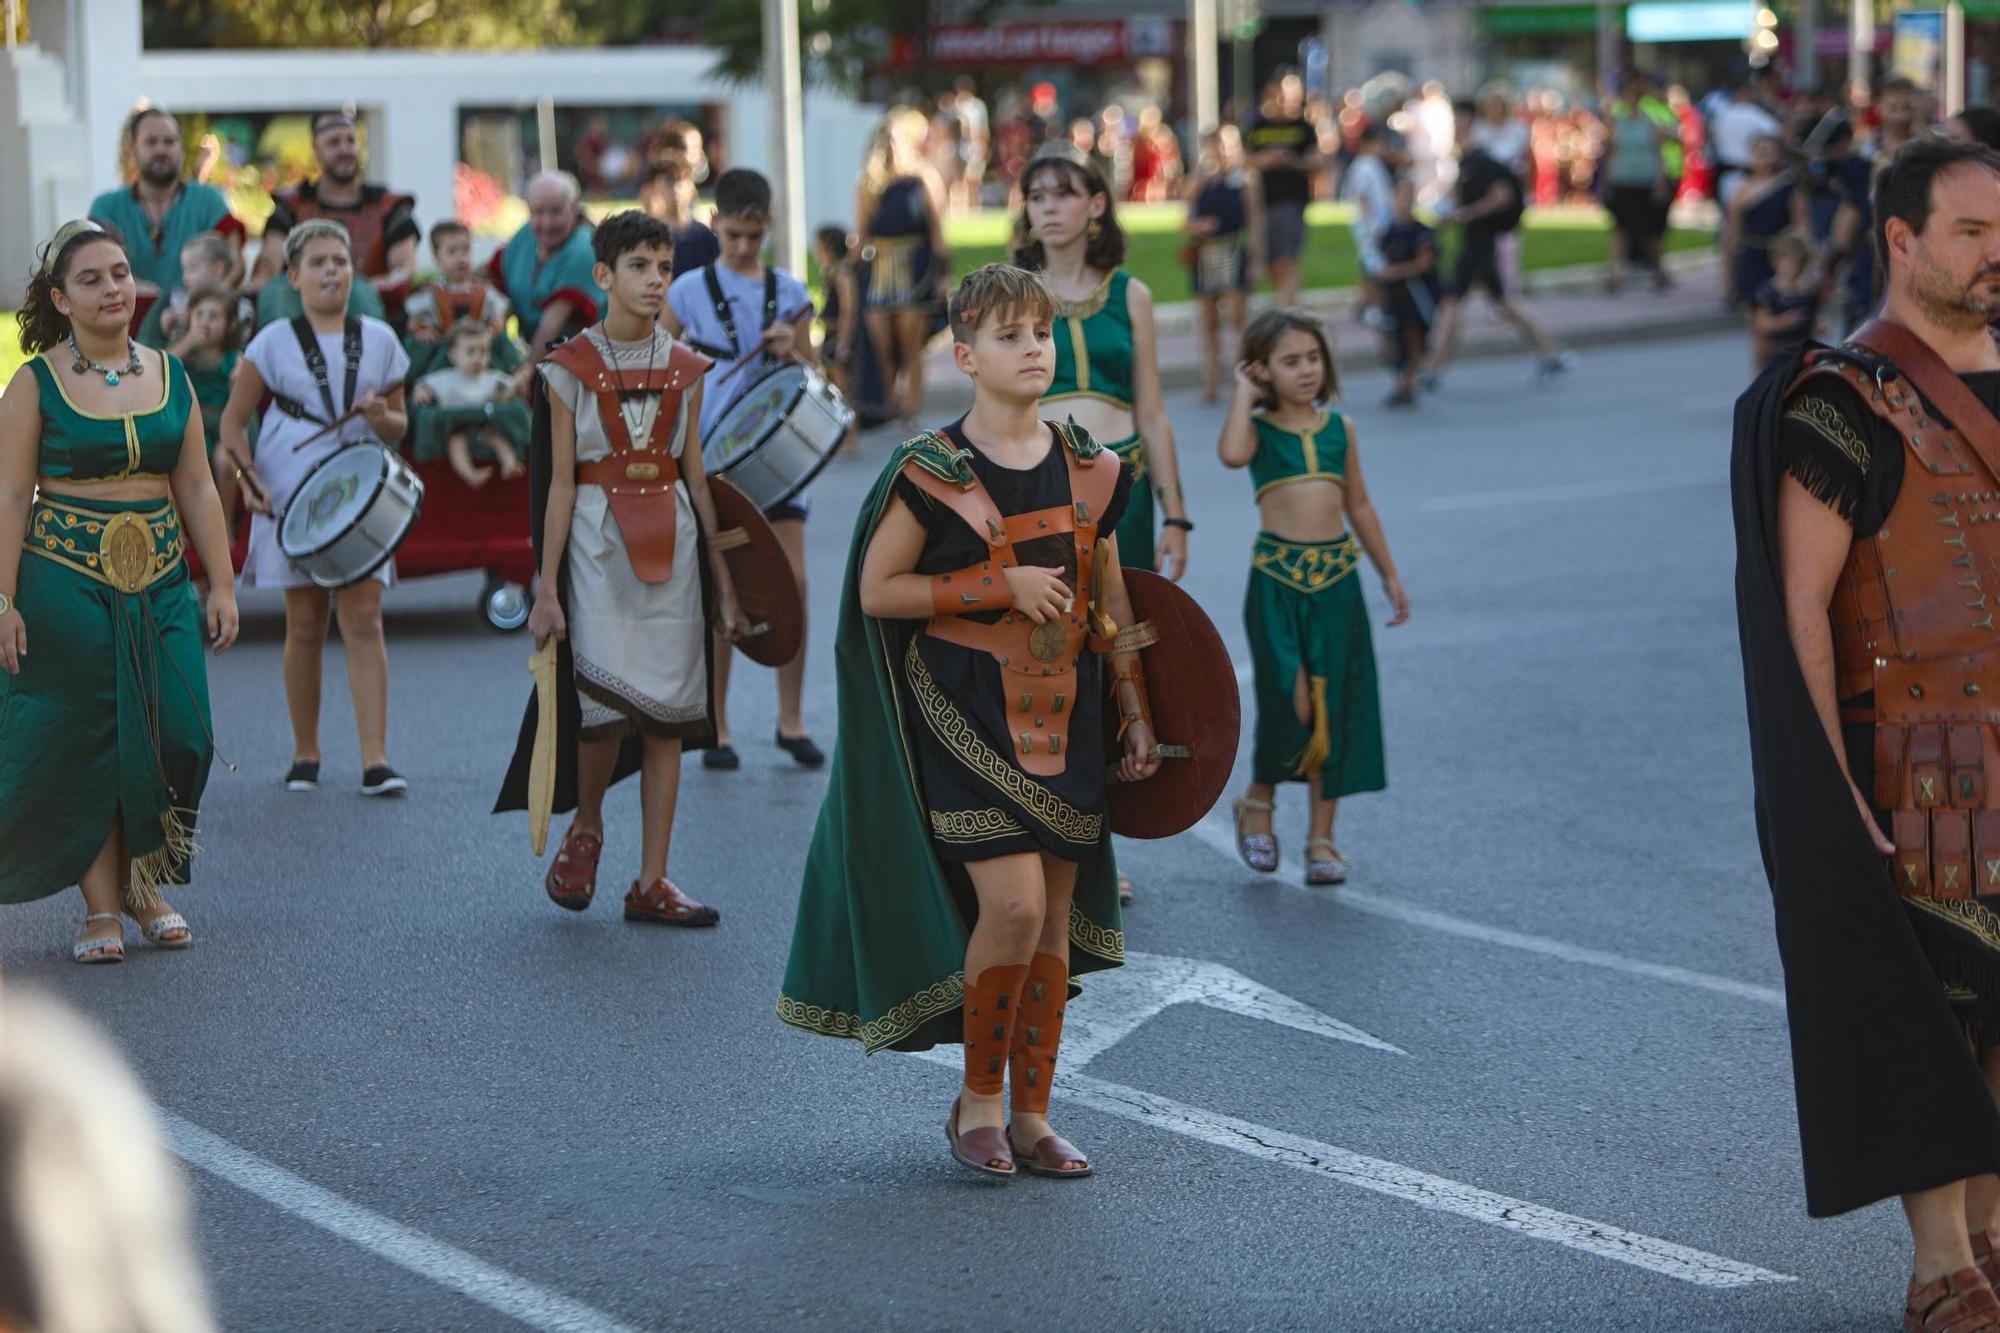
(1284, 148)
(1409, 279)
(1226, 242)
(667, 193)
(1637, 191)
(1768, 202)
(899, 208)
(1488, 212)
(840, 317)
(1976, 124)
(1785, 310)
(1368, 184)
(975, 142)
(94, 1227)
(1735, 125)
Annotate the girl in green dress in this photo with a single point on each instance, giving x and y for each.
(1107, 371)
(104, 718)
(1318, 717)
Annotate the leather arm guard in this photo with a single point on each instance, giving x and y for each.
(979, 587)
(1139, 709)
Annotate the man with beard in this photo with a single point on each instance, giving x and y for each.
(546, 270)
(162, 210)
(381, 224)
(1865, 480)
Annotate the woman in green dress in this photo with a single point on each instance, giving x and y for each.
(1107, 373)
(104, 719)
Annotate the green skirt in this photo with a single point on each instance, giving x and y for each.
(431, 427)
(108, 717)
(1304, 610)
(1135, 529)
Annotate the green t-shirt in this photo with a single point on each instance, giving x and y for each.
(156, 251)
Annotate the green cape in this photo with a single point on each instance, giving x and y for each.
(878, 950)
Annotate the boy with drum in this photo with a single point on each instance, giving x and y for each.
(332, 380)
(624, 528)
(740, 310)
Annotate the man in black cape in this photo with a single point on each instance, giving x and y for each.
(1893, 998)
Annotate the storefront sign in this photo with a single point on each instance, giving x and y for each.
(1083, 42)
(1729, 20)
(1917, 53)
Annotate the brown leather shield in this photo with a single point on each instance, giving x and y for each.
(767, 592)
(1191, 684)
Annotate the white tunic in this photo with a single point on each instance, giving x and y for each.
(644, 644)
(276, 355)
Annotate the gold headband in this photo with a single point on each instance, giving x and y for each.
(66, 233)
(1062, 150)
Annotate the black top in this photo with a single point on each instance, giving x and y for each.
(1222, 200)
(1285, 185)
(1406, 241)
(1478, 173)
(1849, 458)
(902, 210)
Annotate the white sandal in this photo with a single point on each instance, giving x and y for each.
(111, 949)
(1328, 869)
(161, 925)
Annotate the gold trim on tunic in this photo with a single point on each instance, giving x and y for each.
(1306, 567)
(971, 826)
(957, 734)
(1825, 420)
(895, 1024)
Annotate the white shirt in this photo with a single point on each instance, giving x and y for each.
(1734, 128)
(1370, 187)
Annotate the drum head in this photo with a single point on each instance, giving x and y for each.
(331, 499)
(767, 592)
(752, 418)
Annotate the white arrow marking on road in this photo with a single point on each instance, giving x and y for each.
(1223, 839)
(1418, 1187)
(1117, 1001)
(406, 1247)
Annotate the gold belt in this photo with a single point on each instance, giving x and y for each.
(1133, 451)
(127, 549)
(1305, 566)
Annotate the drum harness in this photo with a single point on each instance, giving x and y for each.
(350, 348)
(722, 311)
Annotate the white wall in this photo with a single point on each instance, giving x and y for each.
(63, 102)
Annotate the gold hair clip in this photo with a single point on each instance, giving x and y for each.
(968, 315)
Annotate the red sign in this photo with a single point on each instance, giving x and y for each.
(1085, 42)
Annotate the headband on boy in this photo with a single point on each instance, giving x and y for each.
(66, 233)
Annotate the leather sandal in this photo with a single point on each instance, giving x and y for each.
(981, 1149)
(1328, 869)
(572, 877)
(1960, 1302)
(1053, 1156)
(1258, 850)
(665, 905)
(1983, 1245)
(110, 949)
(1124, 890)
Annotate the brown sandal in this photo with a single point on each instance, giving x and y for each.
(980, 1149)
(572, 877)
(1960, 1302)
(1054, 1156)
(1984, 1256)
(663, 904)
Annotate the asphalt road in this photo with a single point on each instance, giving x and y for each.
(1527, 1072)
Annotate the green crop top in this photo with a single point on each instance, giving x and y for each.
(94, 446)
(1094, 345)
(1285, 456)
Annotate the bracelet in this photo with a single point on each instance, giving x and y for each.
(1184, 524)
(1169, 490)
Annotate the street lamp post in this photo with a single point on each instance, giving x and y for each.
(784, 84)
(1860, 51)
(1203, 103)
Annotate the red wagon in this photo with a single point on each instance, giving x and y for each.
(460, 528)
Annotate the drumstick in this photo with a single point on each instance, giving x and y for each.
(333, 425)
(248, 477)
(754, 352)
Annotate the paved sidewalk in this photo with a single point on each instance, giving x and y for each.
(1571, 304)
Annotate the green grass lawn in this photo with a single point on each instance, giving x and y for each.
(1550, 239)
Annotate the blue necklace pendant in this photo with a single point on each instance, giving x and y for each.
(111, 378)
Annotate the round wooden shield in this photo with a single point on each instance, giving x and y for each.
(766, 589)
(1197, 715)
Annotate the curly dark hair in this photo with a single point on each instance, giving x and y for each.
(42, 325)
(622, 233)
(1266, 331)
(1104, 251)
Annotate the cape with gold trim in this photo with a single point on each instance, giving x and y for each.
(878, 949)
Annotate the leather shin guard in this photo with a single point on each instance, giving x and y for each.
(1038, 1033)
(991, 1004)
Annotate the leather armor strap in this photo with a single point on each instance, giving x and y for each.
(992, 1004)
(1038, 1033)
(980, 587)
(1938, 383)
(638, 482)
(1131, 671)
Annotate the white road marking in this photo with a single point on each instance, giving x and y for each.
(406, 1247)
(1117, 1001)
(1223, 840)
(1426, 1191)
(1579, 490)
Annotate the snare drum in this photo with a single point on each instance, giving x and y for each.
(774, 440)
(350, 514)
